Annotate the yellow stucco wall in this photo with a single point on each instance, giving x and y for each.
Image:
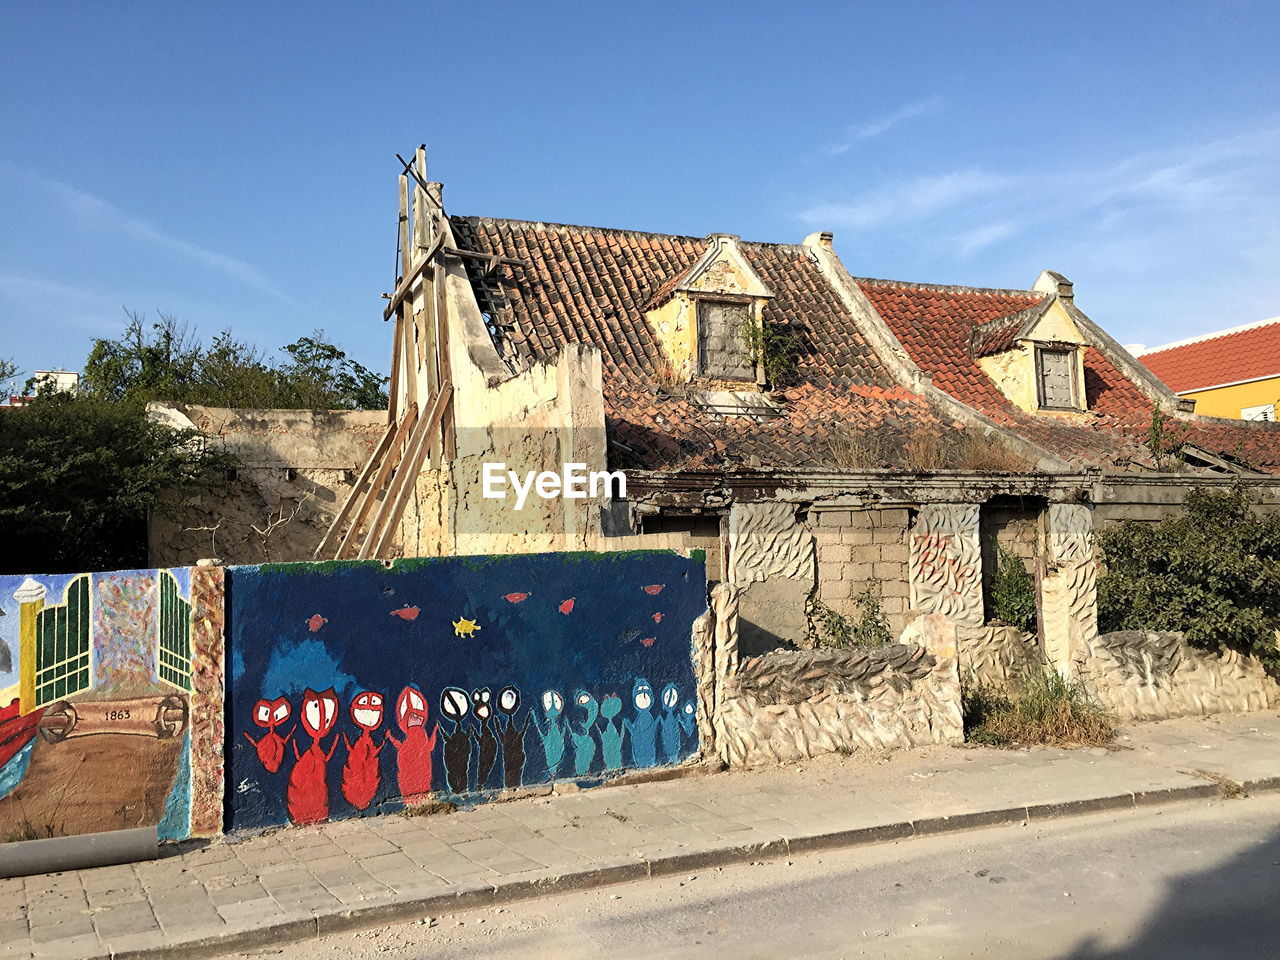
(1228, 401)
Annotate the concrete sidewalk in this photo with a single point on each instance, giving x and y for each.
(297, 883)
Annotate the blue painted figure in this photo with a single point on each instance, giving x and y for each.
(553, 736)
(643, 730)
(584, 744)
(611, 733)
(670, 723)
(688, 723)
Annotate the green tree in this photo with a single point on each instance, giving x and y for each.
(1213, 573)
(78, 476)
(164, 361)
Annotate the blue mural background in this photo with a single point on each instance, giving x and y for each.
(587, 623)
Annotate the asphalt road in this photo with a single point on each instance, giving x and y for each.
(1196, 880)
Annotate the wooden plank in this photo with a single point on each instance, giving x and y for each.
(322, 551)
(393, 390)
(406, 284)
(383, 529)
(447, 428)
(389, 459)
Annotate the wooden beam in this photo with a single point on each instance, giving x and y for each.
(406, 284)
(477, 255)
(449, 447)
(385, 523)
(322, 551)
(389, 459)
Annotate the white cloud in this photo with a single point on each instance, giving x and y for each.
(95, 213)
(861, 132)
(905, 201)
(971, 242)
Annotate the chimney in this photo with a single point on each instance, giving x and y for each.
(821, 238)
(1050, 281)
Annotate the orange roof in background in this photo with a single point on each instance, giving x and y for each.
(1232, 356)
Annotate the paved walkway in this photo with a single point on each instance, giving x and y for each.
(297, 883)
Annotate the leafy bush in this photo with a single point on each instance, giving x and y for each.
(1213, 574)
(1013, 592)
(78, 477)
(871, 629)
(1048, 710)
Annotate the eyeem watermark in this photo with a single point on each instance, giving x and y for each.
(573, 482)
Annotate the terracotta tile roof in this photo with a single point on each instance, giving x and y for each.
(936, 324)
(593, 285)
(1230, 357)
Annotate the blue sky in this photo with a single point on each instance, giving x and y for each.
(232, 163)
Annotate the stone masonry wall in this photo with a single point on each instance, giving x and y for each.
(855, 546)
(788, 705)
(1145, 675)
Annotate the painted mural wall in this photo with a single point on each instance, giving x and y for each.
(359, 688)
(96, 681)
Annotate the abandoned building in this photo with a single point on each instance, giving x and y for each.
(828, 440)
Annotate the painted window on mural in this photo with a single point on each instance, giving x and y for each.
(174, 654)
(62, 645)
(1055, 370)
(723, 350)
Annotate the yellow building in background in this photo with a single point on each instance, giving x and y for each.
(1232, 373)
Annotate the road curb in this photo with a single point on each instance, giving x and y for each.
(484, 895)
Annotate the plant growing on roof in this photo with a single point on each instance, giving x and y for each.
(1164, 444)
(775, 347)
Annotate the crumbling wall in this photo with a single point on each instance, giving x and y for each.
(788, 705)
(771, 558)
(295, 469)
(997, 657)
(857, 546)
(1069, 589)
(1145, 675)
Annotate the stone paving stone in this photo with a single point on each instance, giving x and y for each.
(81, 947)
(124, 920)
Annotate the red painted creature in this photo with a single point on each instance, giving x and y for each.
(308, 796)
(413, 767)
(361, 773)
(270, 714)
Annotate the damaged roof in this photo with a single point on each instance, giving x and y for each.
(845, 406)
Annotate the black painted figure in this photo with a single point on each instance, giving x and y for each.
(454, 705)
(512, 737)
(483, 734)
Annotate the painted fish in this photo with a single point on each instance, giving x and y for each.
(648, 641)
(315, 622)
(406, 613)
(567, 607)
(463, 627)
(657, 618)
(653, 589)
(515, 597)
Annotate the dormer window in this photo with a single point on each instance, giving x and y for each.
(706, 317)
(1035, 357)
(1056, 378)
(724, 352)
